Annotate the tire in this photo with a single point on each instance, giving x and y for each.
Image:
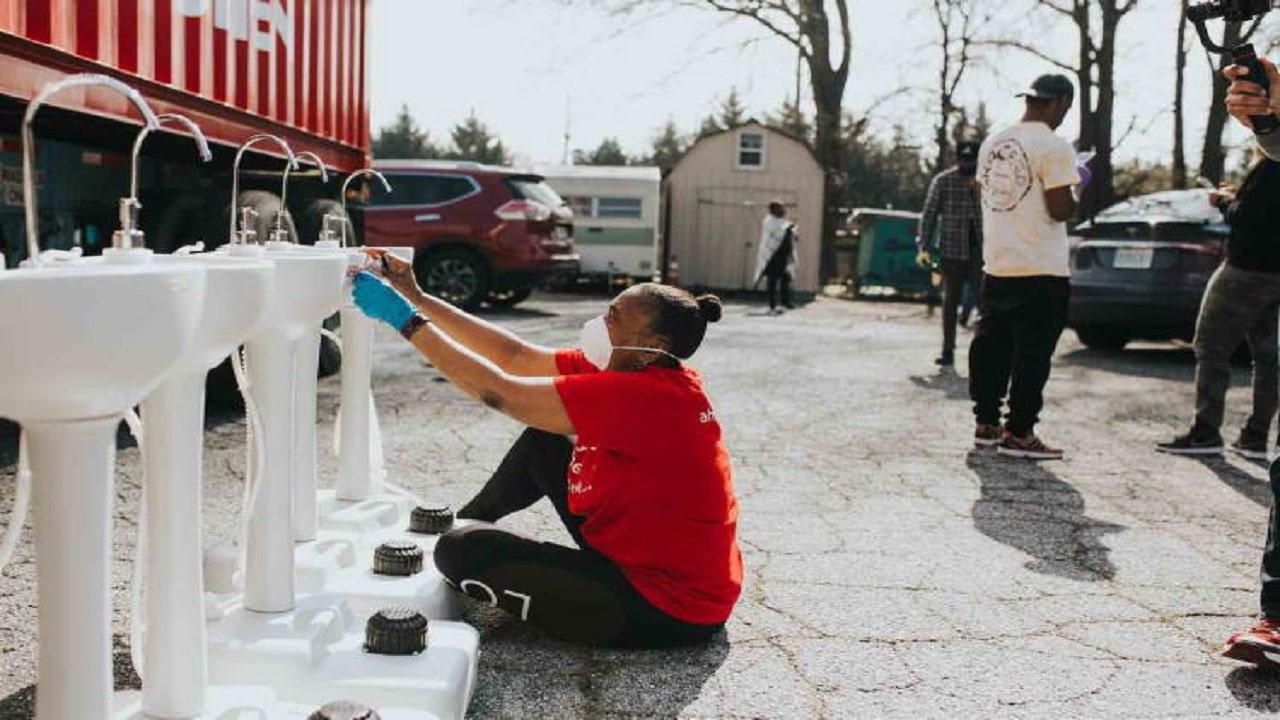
(311, 222)
(456, 276)
(268, 207)
(185, 221)
(509, 298)
(1096, 338)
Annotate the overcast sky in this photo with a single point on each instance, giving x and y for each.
(525, 66)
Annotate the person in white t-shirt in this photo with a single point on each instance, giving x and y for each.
(1026, 174)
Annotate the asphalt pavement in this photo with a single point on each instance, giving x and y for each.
(891, 571)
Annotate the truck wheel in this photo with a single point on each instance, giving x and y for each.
(311, 222)
(268, 206)
(1097, 338)
(456, 276)
(185, 221)
(509, 298)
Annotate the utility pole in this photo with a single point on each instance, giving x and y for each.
(568, 127)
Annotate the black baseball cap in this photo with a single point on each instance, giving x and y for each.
(1050, 87)
(967, 150)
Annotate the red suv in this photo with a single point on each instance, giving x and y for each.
(479, 233)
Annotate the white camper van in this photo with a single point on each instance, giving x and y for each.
(616, 217)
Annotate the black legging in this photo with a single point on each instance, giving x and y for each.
(772, 284)
(574, 595)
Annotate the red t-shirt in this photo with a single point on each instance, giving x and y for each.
(651, 475)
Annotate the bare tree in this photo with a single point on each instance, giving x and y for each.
(1097, 23)
(1179, 108)
(957, 21)
(821, 32)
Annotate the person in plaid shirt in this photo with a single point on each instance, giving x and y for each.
(952, 223)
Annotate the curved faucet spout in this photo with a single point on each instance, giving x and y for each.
(202, 144)
(29, 142)
(363, 172)
(284, 185)
(235, 173)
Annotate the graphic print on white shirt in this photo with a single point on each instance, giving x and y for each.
(1006, 177)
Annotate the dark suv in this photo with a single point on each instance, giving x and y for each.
(1139, 269)
(479, 233)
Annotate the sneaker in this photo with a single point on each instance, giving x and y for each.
(1193, 444)
(1256, 644)
(1253, 447)
(985, 435)
(945, 360)
(1027, 446)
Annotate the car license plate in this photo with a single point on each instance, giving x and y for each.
(1133, 258)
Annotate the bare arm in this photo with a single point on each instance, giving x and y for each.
(501, 347)
(533, 401)
(1061, 203)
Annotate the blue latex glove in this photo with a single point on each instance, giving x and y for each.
(1086, 176)
(380, 301)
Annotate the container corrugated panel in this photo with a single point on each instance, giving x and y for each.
(238, 67)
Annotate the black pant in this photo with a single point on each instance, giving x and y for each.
(574, 595)
(1022, 319)
(955, 275)
(1271, 555)
(772, 282)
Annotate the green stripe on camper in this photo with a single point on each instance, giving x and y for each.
(613, 236)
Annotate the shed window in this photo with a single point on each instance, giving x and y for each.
(750, 150)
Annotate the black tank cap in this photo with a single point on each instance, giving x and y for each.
(398, 557)
(344, 710)
(396, 630)
(431, 519)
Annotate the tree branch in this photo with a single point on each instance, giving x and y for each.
(1029, 49)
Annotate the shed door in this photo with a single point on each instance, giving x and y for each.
(728, 232)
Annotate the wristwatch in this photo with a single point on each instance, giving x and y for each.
(415, 323)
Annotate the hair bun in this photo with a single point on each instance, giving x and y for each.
(710, 307)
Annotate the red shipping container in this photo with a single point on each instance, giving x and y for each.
(294, 68)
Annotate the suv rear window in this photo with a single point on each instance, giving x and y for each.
(1147, 232)
(416, 189)
(532, 187)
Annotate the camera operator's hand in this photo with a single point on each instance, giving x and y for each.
(1222, 196)
(1245, 99)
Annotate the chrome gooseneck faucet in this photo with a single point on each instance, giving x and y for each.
(29, 147)
(345, 219)
(129, 235)
(280, 234)
(246, 214)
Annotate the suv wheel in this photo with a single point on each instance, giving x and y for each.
(1102, 338)
(509, 298)
(456, 276)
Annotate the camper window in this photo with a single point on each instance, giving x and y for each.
(750, 150)
(629, 208)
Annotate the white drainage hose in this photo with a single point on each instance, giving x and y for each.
(253, 448)
(137, 624)
(21, 505)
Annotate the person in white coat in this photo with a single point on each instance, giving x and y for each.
(776, 255)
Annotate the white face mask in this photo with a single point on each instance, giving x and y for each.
(598, 346)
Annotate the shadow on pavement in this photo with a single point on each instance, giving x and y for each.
(1027, 507)
(1168, 363)
(946, 381)
(1255, 688)
(1245, 483)
(21, 704)
(640, 683)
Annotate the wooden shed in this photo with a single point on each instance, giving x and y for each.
(720, 191)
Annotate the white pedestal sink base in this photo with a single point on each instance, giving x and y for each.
(306, 366)
(73, 464)
(315, 654)
(358, 479)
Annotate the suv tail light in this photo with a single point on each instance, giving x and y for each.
(524, 210)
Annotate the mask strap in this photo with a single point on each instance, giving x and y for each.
(645, 349)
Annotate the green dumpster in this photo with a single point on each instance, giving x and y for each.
(886, 260)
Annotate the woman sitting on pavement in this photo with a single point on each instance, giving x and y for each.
(644, 489)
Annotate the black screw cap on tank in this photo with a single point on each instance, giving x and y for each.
(431, 519)
(396, 631)
(398, 557)
(344, 710)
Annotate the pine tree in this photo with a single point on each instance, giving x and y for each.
(710, 126)
(609, 152)
(403, 140)
(474, 141)
(789, 119)
(667, 148)
(732, 113)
